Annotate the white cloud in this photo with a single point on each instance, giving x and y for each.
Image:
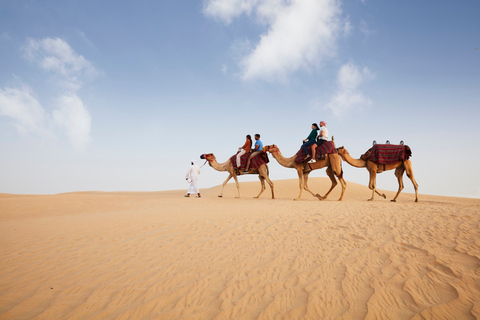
(301, 34)
(56, 55)
(29, 117)
(348, 95)
(227, 10)
(73, 116)
(22, 106)
(70, 114)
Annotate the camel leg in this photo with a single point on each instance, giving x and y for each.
(336, 167)
(263, 172)
(305, 186)
(300, 182)
(271, 186)
(344, 185)
(237, 184)
(332, 178)
(371, 183)
(262, 182)
(409, 170)
(399, 174)
(372, 186)
(380, 194)
(223, 186)
(372, 168)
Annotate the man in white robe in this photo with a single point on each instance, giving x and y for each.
(192, 177)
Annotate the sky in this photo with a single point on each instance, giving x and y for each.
(122, 95)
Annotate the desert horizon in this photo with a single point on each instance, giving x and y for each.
(159, 255)
(105, 107)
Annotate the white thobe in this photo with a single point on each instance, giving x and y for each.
(192, 177)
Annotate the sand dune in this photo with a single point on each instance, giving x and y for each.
(158, 255)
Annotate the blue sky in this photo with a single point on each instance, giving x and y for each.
(118, 95)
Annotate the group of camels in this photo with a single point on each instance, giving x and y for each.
(332, 161)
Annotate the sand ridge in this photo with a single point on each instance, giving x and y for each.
(158, 255)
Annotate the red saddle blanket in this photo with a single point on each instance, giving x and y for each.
(326, 148)
(255, 162)
(387, 153)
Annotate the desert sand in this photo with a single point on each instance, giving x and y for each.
(158, 255)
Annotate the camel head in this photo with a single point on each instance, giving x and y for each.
(273, 148)
(342, 152)
(208, 156)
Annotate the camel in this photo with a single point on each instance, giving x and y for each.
(374, 168)
(262, 172)
(332, 162)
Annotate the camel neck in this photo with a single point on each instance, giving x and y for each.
(285, 162)
(359, 163)
(219, 166)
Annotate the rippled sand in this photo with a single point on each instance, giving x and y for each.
(162, 256)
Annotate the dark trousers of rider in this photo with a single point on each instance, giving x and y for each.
(306, 144)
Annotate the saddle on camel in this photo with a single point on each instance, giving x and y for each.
(387, 153)
(325, 148)
(255, 162)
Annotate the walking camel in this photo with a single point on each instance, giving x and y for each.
(331, 161)
(262, 172)
(375, 167)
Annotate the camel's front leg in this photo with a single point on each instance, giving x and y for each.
(262, 182)
(372, 184)
(305, 186)
(223, 186)
(331, 175)
(374, 190)
(344, 186)
(409, 170)
(263, 175)
(237, 184)
(270, 183)
(300, 182)
(380, 194)
(399, 173)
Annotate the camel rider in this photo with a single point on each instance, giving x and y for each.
(244, 149)
(322, 137)
(311, 138)
(258, 148)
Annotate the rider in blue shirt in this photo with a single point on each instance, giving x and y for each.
(258, 143)
(258, 148)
